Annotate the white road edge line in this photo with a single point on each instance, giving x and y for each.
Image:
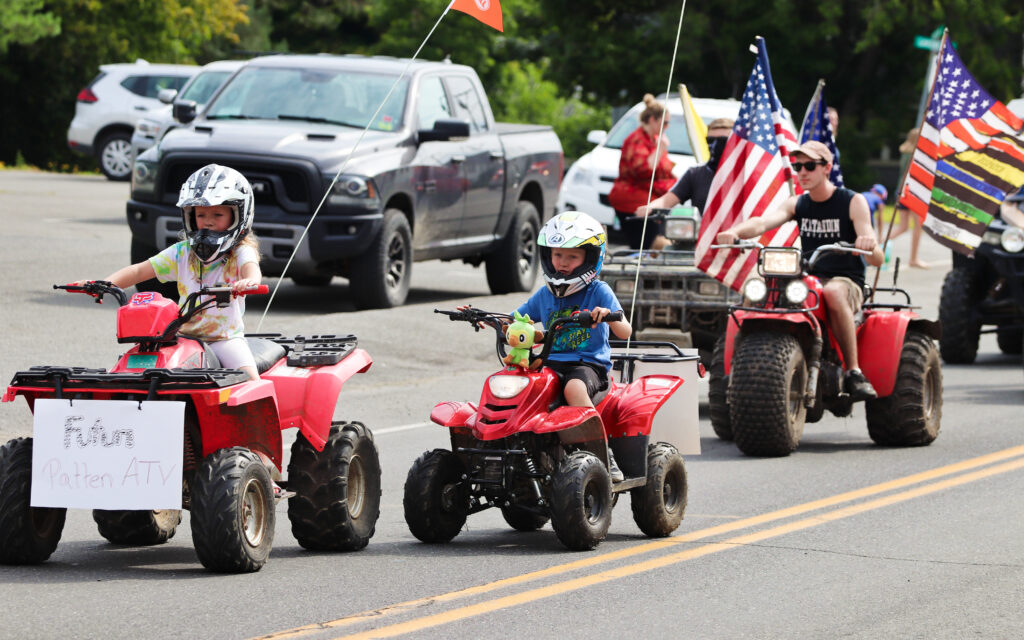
(404, 427)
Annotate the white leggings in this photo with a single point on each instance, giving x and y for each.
(233, 353)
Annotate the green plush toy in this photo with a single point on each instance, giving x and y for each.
(520, 336)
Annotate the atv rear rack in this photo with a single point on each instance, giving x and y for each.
(312, 351)
(62, 379)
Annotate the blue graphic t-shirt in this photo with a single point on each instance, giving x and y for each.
(578, 343)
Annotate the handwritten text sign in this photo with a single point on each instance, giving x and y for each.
(107, 454)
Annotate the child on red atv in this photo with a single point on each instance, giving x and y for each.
(572, 248)
(219, 250)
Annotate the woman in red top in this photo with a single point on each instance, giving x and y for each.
(637, 162)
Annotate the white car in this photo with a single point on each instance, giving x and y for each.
(152, 128)
(108, 108)
(589, 179)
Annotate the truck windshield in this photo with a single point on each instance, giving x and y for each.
(678, 141)
(340, 97)
(203, 86)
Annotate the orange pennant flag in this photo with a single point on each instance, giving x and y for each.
(486, 11)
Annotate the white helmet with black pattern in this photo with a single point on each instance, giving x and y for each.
(572, 230)
(215, 185)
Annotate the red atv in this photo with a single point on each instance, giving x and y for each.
(228, 429)
(521, 449)
(779, 366)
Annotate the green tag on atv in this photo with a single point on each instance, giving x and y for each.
(141, 361)
(685, 212)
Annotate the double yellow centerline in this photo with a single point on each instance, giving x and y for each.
(929, 482)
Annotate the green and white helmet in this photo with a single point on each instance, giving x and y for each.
(571, 230)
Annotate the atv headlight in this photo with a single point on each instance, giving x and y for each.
(780, 262)
(755, 290)
(680, 228)
(796, 292)
(505, 387)
(1012, 240)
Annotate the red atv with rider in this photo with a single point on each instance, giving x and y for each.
(779, 365)
(521, 449)
(228, 432)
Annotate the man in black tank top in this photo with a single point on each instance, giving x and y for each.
(827, 214)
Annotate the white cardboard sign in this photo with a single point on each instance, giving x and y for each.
(107, 454)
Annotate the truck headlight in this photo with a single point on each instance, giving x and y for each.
(144, 175)
(680, 228)
(354, 191)
(148, 128)
(796, 292)
(755, 290)
(1012, 239)
(780, 262)
(505, 387)
(581, 176)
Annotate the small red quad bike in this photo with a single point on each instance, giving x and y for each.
(521, 449)
(779, 365)
(168, 429)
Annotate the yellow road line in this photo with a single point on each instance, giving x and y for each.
(532, 595)
(649, 547)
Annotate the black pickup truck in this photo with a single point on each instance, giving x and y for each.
(432, 177)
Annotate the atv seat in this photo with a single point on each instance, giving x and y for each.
(266, 352)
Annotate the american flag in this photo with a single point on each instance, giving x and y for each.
(969, 155)
(818, 127)
(754, 176)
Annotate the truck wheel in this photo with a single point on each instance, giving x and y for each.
(718, 385)
(379, 278)
(1011, 341)
(910, 416)
(960, 325)
(114, 154)
(658, 506)
(766, 394)
(513, 265)
(232, 511)
(582, 497)
(436, 500)
(137, 528)
(337, 490)
(28, 535)
(141, 251)
(522, 519)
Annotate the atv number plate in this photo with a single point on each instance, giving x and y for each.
(141, 362)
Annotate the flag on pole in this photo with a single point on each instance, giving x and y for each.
(486, 11)
(817, 126)
(753, 177)
(969, 156)
(695, 127)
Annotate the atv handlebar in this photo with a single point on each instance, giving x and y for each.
(97, 289)
(740, 244)
(498, 321)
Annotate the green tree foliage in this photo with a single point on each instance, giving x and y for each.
(40, 79)
(23, 22)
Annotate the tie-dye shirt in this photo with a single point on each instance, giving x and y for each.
(216, 323)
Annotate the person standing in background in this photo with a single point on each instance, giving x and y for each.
(643, 155)
(904, 214)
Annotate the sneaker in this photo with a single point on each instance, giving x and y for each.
(613, 469)
(858, 386)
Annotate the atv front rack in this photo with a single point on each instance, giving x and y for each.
(312, 351)
(61, 379)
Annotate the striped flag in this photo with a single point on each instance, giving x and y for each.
(753, 176)
(818, 127)
(969, 156)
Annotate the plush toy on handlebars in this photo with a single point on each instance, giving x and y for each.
(520, 335)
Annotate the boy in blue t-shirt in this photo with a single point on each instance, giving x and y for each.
(572, 251)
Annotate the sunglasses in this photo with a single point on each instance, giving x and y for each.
(807, 166)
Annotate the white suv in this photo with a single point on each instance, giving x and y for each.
(152, 128)
(589, 179)
(108, 108)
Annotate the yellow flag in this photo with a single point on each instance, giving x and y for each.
(695, 127)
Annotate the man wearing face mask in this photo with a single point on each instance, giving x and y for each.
(695, 184)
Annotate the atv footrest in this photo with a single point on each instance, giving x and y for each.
(313, 351)
(628, 483)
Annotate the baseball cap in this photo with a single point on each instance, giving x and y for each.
(814, 150)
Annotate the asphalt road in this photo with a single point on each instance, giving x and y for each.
(841, 539)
